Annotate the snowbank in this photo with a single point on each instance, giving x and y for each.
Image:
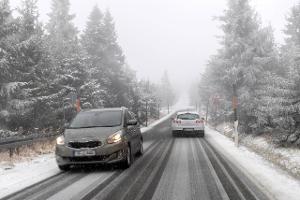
(20, 175)
(288, 158)
(272, 178)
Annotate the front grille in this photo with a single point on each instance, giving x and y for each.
(85, 144)
(88, 158)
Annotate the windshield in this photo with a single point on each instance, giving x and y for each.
(188, 116)
(97, 119)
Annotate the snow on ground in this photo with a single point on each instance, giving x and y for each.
(288, 158)
(20, 175)
(26, 173)
(278, 182)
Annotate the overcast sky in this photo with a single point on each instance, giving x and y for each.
(173, 35)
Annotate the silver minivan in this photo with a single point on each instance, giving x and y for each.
(100, 136)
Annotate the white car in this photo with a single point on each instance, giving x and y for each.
(188, 122)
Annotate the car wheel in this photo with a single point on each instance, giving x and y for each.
(174, 133)
(201, 134)
(129, 159)
(141, 150)
(64, 167)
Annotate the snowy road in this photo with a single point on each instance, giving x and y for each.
(171, 168)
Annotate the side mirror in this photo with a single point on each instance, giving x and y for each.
(132, 122)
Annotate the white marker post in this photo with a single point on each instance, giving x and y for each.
(236, 122)
(236, 133)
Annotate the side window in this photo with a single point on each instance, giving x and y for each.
(132, 115)
(128, 116)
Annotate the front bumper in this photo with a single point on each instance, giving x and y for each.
(106, 154)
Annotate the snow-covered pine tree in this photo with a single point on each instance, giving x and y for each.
(147, 100)
(62, 34)
(30, 66)
(67, 58)
(92, 42)
(247, 56)
(291, 61)
(167, 94)
(106, 60)
(114, 63)
(8, 27)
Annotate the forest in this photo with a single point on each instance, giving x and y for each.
(43, 67)
(262, 74)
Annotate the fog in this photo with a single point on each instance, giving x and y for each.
(173, 35)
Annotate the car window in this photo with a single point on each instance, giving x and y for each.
(132, 115)
(128, 116)
(188, 116)
(97, 119)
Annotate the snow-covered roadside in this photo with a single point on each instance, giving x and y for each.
(26, 173)
(288, 158)
(278, 182)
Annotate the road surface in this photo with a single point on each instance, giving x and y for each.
(171, 168)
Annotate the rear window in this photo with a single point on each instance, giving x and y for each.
(188, 116)
(97, 119)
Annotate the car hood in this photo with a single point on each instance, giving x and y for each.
(83, 134)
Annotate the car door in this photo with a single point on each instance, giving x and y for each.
(135, 132)
(130, 130)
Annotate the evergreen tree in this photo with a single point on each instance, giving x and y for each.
(62, 34)
(30, 65)
(291, 60)
(8, 28)
(39, 69)
(247, 56)
(114, 64)
(93, 37)
(167, 93)
(29, 59)
(67, 58)
(93, 44)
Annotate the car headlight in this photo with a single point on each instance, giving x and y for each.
(60, 140)
(114, 138)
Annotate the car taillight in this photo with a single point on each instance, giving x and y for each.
(199, 121)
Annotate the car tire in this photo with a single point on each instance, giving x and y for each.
(129, 159)
(64, 167)
(141, 150)
(174, 134)
(201, 134)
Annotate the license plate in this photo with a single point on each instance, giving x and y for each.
(188, 129)
(85, 152)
